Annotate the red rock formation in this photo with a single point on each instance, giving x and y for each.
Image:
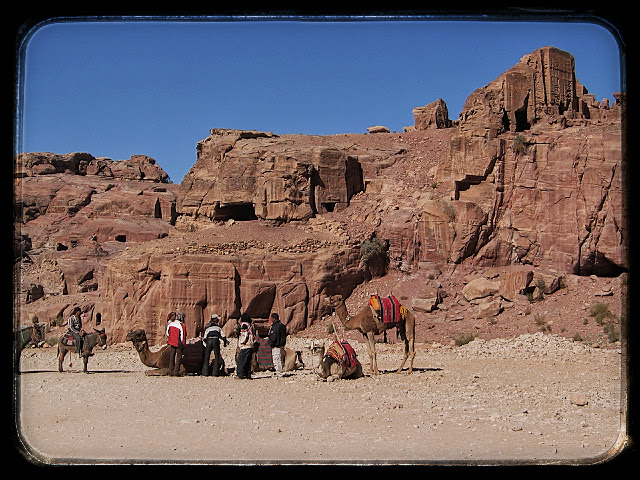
(530, 177)
(246, 175)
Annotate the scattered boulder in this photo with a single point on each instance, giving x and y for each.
(514, 282)
(378, 129)
(479, 288)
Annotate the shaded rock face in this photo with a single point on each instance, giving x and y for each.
(141, 286)
(557, 200)
(245, 175)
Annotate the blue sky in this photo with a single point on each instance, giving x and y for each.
(121, 88)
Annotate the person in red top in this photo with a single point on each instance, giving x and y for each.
(176, 338)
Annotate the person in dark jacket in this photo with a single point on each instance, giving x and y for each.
(211, 338)
(277, 340)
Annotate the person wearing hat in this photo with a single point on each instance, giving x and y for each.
(211, 338)
(176, 338)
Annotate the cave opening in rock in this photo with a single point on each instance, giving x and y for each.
(238, 212)
(328, 206)
(522, 123)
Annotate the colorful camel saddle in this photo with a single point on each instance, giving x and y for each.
(343, 353)
(387, 310)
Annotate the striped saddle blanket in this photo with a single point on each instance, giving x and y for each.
(343, 353)
(387, 310)
(263, 354)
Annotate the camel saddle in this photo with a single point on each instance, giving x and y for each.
(387, 310)
(343, 353)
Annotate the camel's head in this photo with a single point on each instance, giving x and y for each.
(333, 300)
(316, 347)
(138, 337)
(102, 338)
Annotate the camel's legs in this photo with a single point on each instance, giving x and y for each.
(371, 344)
(412, 352)
(61, 354)
(409, 347)
(405, 356)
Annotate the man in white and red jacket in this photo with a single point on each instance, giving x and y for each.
(176, 338)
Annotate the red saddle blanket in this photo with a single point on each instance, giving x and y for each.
(343, 353)
(388, 310)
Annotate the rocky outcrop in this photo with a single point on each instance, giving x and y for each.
(529, 177)
(138, 167)
(70, 221)
(433, 115)
(245, 175)
(541, 89)
(550, 194)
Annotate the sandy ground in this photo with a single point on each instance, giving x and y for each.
(533, 399)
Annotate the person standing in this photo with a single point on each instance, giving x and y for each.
(277, 340)
(246, 339)
(176, 338)
(211, 337)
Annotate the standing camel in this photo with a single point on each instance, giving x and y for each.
(98, 337)
(368, 324)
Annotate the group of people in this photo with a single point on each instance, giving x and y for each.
(176, 334)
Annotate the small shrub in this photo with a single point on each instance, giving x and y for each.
(542, 323)
(519, 144)
(600, 311)
(372, 248)
(331, 328)
(613, 333)
(463, 339)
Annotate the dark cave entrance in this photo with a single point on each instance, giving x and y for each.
(522, 123)
(238, 212)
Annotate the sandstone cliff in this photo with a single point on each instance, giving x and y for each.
(529, 175)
